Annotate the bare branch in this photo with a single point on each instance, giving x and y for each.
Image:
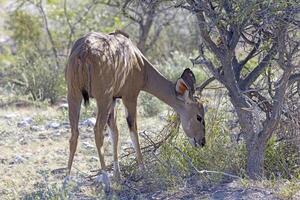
(201, 59)
(131, 17)
(273, 121)
(201, 87)
(110, 3)
(294, 78)
(87, 11)
(190, 162)
(247, 40)
(254, 74)
(269, 81)
(158, 31)
(44, 16)
(206, 38)
(71, 33)
(250, 55)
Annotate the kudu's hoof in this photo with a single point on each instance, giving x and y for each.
(103, 179)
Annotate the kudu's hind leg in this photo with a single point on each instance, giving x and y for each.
(131, 121)
(102, 116)
(112, 123)
(74, 103)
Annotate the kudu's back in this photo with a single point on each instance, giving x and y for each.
(104, 64)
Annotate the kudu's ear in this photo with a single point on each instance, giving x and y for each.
(185, 86)
(189, 78)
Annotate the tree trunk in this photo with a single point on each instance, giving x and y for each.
(252, 128)
(255, 159)
(144, 34)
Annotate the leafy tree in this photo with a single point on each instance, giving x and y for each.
(43, 32)
(148, 17)
(247, 37)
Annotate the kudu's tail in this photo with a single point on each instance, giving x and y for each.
(78, 77)
(85, 80)
(86, 97)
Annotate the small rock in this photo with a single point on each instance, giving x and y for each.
(104, 180)
(25, 122)
(87, 145)
(22, 124)
(89, 122)
(63, 106)
(59, 171)
(42, 136)
(3, 160)
(28, 155)
(37, 128)
(66, 124)
(53, 125)
(27, 119)
(162, 117)
(56, 134)
(18, 160)
(23, 141)
(10, 116)
(94, 158)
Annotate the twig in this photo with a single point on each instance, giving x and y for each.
(202, 171)
(152, 147)
(201, 87)
(70, 27)
(129, 186)
(46, 26)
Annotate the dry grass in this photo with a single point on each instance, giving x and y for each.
(30, 158)
(32, 163)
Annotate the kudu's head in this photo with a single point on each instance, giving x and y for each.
(192, 112)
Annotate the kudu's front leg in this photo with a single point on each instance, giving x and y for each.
(130, 106)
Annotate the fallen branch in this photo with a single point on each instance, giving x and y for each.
(171, 128)
(202, 171)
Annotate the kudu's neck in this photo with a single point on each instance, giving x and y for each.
(157, 85)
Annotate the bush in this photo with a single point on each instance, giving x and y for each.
(220, 153)
(281, 159)
(151, 106)
(36, 76)
(31, 70)
(173, 67)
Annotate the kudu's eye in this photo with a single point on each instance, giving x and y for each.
(199, 118)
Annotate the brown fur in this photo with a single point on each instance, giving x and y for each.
(109, 62)
(104, 66)
(109, 66)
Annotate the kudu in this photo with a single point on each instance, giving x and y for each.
(110, 66)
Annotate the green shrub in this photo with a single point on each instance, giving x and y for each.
(281, 159)
(35, 75)
(220, 153)
(173, 67)
(51, 191)
(151, 106)
(289, 189)
(33, 70)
